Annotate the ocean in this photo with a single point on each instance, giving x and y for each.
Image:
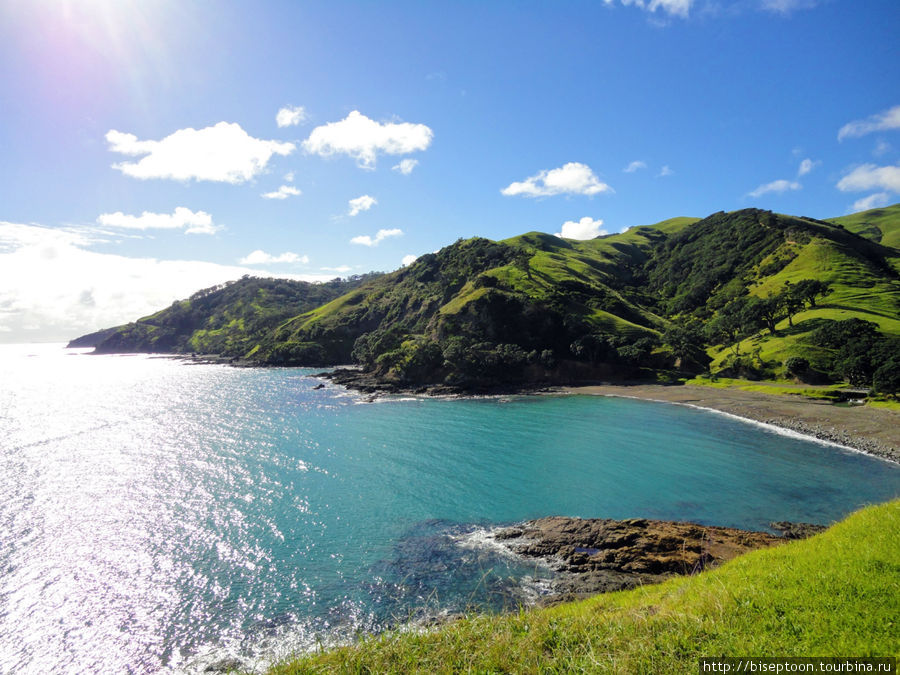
(158, 516)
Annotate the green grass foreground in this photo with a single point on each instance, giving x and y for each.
(837, 594)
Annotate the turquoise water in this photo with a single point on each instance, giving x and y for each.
(159, 516)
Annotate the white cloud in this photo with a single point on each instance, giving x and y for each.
(53, 287)
(341, 269)
(363, 203)
(573, 178)
(405, 166)
(363, 138)
(675, 7)
(871, 177)
(874, 201)
(788, 6)
(289, 177)
(409, 260)
(586, 228)
(283, 192)
(806, 166)
(883, 121)
(290, 116)
(777, 186)
(223, 153)
(634, 166)
(882, 147)
(194, 222)
(366, 240)
(665, 171)
(259, 257)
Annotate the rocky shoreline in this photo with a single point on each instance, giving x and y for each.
(593, 556)
(366, 383)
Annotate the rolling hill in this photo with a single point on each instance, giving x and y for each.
(740, 293)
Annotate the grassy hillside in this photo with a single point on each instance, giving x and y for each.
(835, 594)
(880, 225)
(862, 284)
(739, 293)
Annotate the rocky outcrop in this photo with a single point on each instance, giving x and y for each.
(600, 555)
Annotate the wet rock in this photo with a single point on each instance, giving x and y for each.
(227, 665)
(796, 530)
(601, 555)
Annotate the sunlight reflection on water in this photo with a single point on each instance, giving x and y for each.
(161, 516)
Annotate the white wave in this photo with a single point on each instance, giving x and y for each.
(771, 428)
(484, 539)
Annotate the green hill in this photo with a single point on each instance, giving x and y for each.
(228, 320)
(738, 293)
(881, 225)
(835, 594)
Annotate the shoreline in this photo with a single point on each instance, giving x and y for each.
(603, 555)
(872, 431)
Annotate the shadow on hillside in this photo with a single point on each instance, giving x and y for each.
(858, 310)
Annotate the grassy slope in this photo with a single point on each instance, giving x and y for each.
(436, 287)
(835, 594)
(881, 225)
(859, 289)
(552, 260)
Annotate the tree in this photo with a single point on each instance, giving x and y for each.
(810, 289)
(522, 260)
(685, 339)
(635, 353)
(855, 367)
(886, 379)
(760, 312)
(727, 325)
(791, 301)
(796, 365)
(590, 347)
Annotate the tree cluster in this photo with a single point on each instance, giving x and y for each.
(862, 355)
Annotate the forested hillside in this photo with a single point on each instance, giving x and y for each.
(750, 293)
(228, 320)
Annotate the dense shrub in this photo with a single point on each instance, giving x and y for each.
(796, 365)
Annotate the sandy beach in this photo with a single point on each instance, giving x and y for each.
(875, 431)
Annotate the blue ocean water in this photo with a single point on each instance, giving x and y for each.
(159, 516)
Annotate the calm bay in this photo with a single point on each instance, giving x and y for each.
(160, 516)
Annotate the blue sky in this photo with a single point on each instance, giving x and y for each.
(154, 147)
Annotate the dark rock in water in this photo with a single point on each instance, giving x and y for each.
(319, 386)
(370, 383)
(226, 665)
(601, 555)
(791, 530)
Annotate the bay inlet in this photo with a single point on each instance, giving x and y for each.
(159, 516)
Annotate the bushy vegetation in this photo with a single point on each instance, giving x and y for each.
(861, 355)
(833, 594)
